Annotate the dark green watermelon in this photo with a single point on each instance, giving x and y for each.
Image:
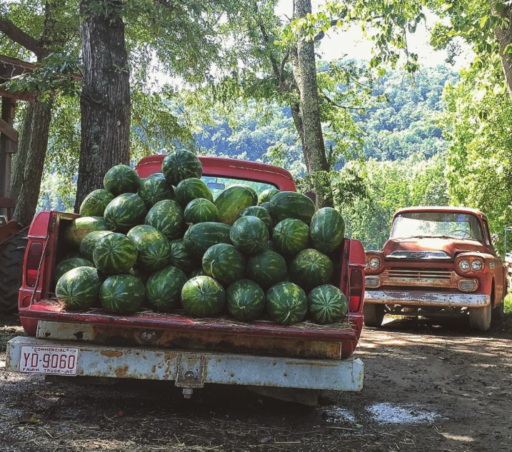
(122, 294)
(232, 201)
(310, 269)
(245, 300)
(327, 304)
(167, 217)
(290, 237)
(249, 235)
(125, 212)
(190, 189)
(115, 254)
(289, 204)
(224, 263)
(199, 237)
(79, 288)
(90, 241)
(287, 303)
(200, 211)
(163, 289)
(266, 195)
(266, 269)
(154, 250)
(139, 273)
(259, 212)
(180, 165)
(95, 203)
(253, 192)
(80, 227)
(266, 206)
(181, 258)
(121, 179)
(327, 230)
(155, 188)
(197, 272)
(202, 296)
(69, 264)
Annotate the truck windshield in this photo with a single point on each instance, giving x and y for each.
(218, 184)
(436, 225)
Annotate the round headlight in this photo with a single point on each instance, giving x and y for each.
(477, 265)
(374, 262)
(464, 265)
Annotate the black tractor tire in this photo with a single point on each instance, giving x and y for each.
(11, 271)
(373, 314)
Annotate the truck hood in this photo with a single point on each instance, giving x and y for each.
(451, 247)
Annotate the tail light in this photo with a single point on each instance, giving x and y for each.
(34, 255)
(356, 289)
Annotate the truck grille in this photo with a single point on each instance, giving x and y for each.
(420, 273)
(425, 278)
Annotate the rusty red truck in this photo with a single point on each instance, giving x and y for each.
(175, 347)
(438, 261)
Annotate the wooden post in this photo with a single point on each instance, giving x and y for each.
(8, 145)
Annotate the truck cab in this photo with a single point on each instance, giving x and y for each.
(438, 261)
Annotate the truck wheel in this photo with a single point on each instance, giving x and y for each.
(480, 318)
(498, 313)
(373, 314)
(11, 270)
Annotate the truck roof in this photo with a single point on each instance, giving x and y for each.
(441, 209)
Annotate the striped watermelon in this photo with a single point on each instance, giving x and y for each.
(245, 300)
(80, 227)
(286, 303)
(327, 304)
(95, 203)
(290, 237)
(232, 201)
(224, 263)
(115, 254)
(202, 296)
(154, 250)
(181, 258)
(200, 211)
(121, 179)
(163, 289)
(155, 188)
(266, 195)
(310, 269)
(190, 189)
(289, 204)
(266, 269)
(253, 193)
(180, 165)
(69, 264)
(90, 241)
(202, 236)
(327, 230)
(266, 206)
(259, 212)
(249, 235)
(79, 288)
(125, 212)
(122, 294)
(167, 217)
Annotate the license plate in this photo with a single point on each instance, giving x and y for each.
(49, 360)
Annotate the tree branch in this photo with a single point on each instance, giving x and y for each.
(19, 36)
(345, 107)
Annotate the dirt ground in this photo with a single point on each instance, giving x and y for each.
(427, 388)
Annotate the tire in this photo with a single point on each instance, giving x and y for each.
(480, 318)
(498, 313)
(373, 314)
(11, 271)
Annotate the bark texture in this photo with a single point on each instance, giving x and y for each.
(105, 99)
(504, 37)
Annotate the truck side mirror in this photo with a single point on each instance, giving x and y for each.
(495, 238)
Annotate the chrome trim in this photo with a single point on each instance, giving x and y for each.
(419, 255)
(448, 300)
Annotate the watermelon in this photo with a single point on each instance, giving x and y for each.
(121, 179)
(180, 165)
(163, 289)
(153, 249)
(202, 296)
(190, 189)
(259, 212)
(310, 269)
(115, 254)
(167, 217)
(138, 273)
(180, 257)
(224, 263)
(327, 230)
(200, 211)
(122, 294)
(125, 212)
(289, 204)
(266, 269)
(266, 206)
(253, 193)
(270, 246)
(155, 188)
(249, 235)
(290, 237)
(232, 201)
(79, 288)
(202, 236)
(245, 300)
(327, 304)
(80, 227)
(197, 272)
(69, 264)
(266, 195)
(286, 303)
(89, 242)
(95, 203)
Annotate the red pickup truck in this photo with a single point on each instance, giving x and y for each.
(191, 352)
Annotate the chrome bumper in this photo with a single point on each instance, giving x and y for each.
(442, 300)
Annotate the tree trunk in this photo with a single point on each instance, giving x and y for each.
(504, 36)
(105, 99)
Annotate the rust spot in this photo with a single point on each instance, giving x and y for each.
(153, 369)
(170, 356)
(231, 374)
(122, 371)
(112, 353)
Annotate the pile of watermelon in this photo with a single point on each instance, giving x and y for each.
(163, 243)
